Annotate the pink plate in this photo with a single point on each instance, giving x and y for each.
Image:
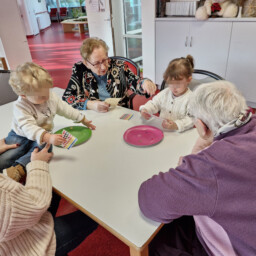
(143, 135)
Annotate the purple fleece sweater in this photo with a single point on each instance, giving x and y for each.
(219, 182)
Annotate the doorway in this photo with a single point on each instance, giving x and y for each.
(126, 22)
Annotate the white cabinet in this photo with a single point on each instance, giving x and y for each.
(241, 69)
(207, 42)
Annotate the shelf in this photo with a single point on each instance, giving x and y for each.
(181, 18)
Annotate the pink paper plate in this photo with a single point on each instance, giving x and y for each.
(143, 135)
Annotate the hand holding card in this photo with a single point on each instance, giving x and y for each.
(70, 140)
(113, 102)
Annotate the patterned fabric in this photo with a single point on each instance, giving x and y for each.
(83, 85)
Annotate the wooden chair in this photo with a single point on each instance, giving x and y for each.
(7, 94)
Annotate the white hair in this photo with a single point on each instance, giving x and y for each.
(216, 104)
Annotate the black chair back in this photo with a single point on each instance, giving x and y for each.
(205, 77)
(6, 94)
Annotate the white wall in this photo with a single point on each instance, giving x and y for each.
(148, 38)
(99, 24)
(34, 15)
(12, 34)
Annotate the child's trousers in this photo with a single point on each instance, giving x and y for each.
(20, 155)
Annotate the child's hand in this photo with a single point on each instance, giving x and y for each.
(88, 124)
(56, 139)
(144, 113)
(169, 124)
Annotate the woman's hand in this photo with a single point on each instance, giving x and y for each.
(43, 155)
(149, 87)
(144, 113)
(88, 124)
(169, 124)
(98, 106)
(4, 147)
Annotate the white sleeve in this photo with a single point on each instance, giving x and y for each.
(154, 106)
(66, 110)
(184, 123)
(27, 123)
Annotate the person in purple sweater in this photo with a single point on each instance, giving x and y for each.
(209, 199)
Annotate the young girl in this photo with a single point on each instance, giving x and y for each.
(34, 112)
(172, 102)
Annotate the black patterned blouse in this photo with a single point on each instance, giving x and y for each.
(83, 84)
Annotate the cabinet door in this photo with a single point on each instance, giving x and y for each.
(209, 45)
(171, 42)
(241, 68)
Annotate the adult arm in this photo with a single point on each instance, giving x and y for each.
(137, 84)
(74, 93)
(23, 206)
(190, 189)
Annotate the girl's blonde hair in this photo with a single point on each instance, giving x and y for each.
(179, 68)
(29, 77)
(90, 44)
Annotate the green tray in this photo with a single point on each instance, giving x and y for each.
(80, 132)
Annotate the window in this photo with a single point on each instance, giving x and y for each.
(133, 32)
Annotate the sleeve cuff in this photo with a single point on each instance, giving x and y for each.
(37, 165)
(85, 104)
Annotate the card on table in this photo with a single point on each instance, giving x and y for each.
(126, 116)
(70, 140)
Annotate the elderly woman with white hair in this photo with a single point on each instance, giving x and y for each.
(209, 198)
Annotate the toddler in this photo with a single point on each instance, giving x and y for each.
(172, 102)
(33, 113)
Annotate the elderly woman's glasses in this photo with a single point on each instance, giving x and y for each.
(98, 64)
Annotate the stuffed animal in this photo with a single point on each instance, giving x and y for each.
(222, 8)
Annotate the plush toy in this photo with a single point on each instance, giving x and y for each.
(222, 8)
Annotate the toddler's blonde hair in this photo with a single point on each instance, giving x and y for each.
(29, 77)
(179, 68)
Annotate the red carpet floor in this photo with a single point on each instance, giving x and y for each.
(57, 52)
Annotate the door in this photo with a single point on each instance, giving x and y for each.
(172, 41)
(28, 16)
(209, 45)
(242, 59)
(127, 29)
(99, 21)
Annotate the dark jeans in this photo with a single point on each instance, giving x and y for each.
(177, 238)
(70, 229)
(20, 155)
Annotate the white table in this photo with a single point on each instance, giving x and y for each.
(102, 176)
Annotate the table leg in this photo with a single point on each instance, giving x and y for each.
(67, 27)
(136, 252)
(81, 28)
